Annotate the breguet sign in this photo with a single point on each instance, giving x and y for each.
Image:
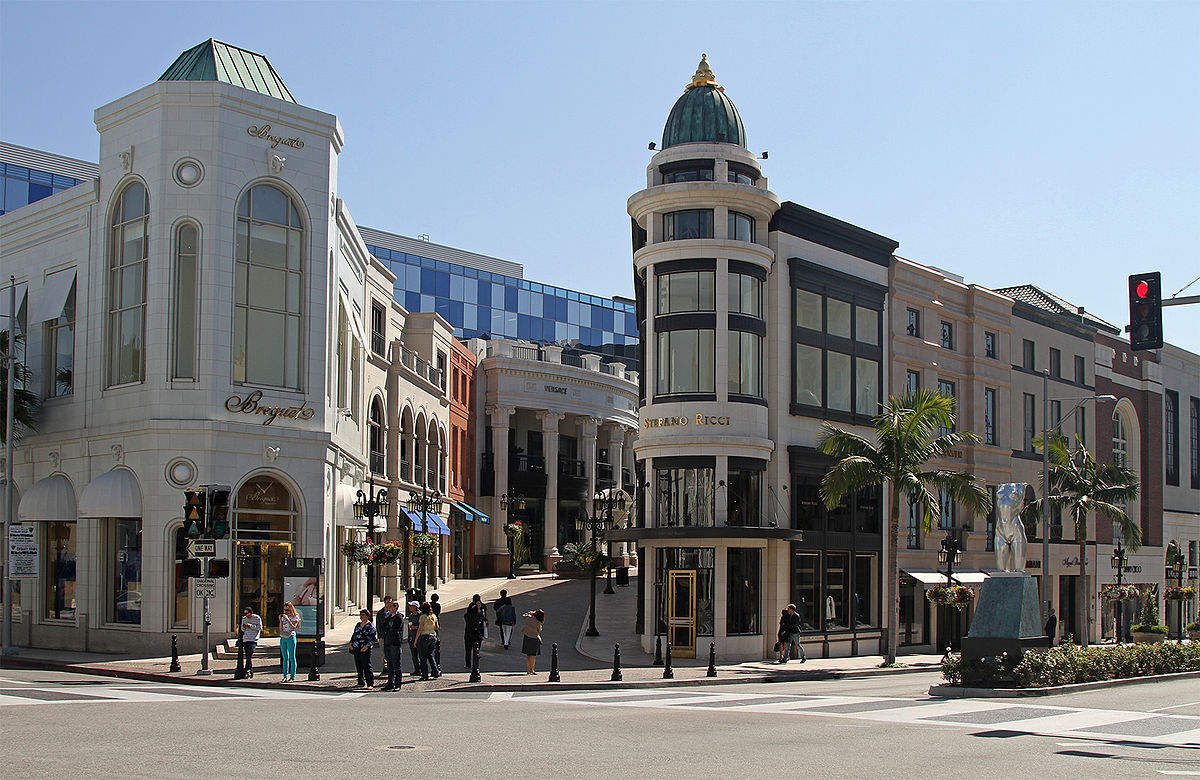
(264, 132)
(252, 404)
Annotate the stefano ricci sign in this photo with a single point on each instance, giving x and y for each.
(683, 422)
(264, 132)
(252, 404)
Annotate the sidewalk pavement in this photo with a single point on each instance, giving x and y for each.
(584, 662)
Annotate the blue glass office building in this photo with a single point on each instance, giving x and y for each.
(480, 296)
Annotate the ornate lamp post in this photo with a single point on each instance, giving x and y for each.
(425, 504)
(518, 502)
(1177, 564)
(603, 505)
(593, 526)
(369, 506)
(950, 554)
(1118, 563)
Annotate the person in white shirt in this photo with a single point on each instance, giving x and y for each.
(251, 631)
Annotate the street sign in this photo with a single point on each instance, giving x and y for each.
(23, 554)
(202, 548)
(206, 588)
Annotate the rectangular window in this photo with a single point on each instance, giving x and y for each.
(1195, 439)
(743, 500)
(378, 340)
(741, 227)
(181, 592)
(947, 389)
(913, 323)
(1055, 363)
(912, 381)
(1081, 427)
(340, 367)
(685, 497)
(810, 378)
(946, 503)
(989, 344)
(680, 225)
(441, 368)
(866, 325)
(990, 531)
(126, 576)
(838, 318)
(59, 574)
(806, 583)
(60, 349)
(745, 295)
(1056, 416)
(1056, 523)
(866, 386)
(1080, 370)
(745, 364)
(742, 594)
(808, 310)
(914, 523)
(947, 335)
(1171, 436)
(838, 384)
(1028, 355)
(838, 597)
(989, 416)
(866, 585)
(687, 291)
(1029, 409)
(186, 303)
(686, 362)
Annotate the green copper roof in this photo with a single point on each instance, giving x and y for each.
(216, 61)
(703, 114)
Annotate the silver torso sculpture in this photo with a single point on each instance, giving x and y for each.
(1010, 531)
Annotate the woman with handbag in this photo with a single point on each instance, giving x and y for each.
(361, 642)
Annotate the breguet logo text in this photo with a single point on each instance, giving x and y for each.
(250, 405)
(264, 132)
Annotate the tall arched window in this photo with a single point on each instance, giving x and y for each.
(375, 437)
(127, 253)
(1120, 442)
(185, 308)
(268, 290)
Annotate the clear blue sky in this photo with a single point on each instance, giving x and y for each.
(1053, 143)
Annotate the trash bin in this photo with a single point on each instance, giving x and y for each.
(623, 576)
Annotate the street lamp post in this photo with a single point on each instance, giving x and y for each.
(425, 504)
(1177, 566)
(1118, 563)
(593, 526)
(370, 506)
(604, 503)
(658, 589)
(950, 554)
(518, 503)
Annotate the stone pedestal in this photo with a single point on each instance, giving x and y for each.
(1007, 618)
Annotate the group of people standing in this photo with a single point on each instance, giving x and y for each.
(251, 630)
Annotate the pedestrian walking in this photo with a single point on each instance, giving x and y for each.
(391, 633)
(427, 637)
(289, 621)
(789, 635)
(436, 606)
(361, 642)
(386, 611)
(251, 631)
(506, 617)
(483, 611)
(531, 643)
(414, 622)
(1051, 628)
(476, 620)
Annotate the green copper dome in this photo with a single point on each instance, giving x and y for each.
(704, 114)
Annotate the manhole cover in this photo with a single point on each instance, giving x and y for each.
(402, 747)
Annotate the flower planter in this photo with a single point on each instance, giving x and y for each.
(1148, 637)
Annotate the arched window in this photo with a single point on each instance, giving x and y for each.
(406, 435)
(375, 437)
(268, 290)
(127, 253)
(1120, 442)
(185, 309)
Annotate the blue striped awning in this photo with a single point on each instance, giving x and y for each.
(471, 512)
(427, 522)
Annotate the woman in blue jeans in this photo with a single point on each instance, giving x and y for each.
(289, 621)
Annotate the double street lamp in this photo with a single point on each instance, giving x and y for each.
(518, 503)
(369, 506)
(604, 503)
(949, 554)
(424, 504)
(1176, 567)
(1118, 562)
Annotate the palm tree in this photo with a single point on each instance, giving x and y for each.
(906, 437)
(1082, 486)
(25, 403)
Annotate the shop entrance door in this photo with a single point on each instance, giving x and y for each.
(681, 613)
(260, 581)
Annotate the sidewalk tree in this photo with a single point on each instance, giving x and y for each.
(908, 434)
(1081, 486)
(25, 402)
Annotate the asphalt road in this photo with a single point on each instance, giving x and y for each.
(57, 724)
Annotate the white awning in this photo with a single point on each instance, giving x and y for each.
(49, 303)
(343, 509)
(925, 576)
(51, 498)
(22, 288)
(970, 577)
(112, 494)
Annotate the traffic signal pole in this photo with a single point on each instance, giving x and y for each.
(204, 670)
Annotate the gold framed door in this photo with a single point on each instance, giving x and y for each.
(260, 581)
(681, 613)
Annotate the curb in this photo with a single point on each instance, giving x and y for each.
(465, 687)
(960, 692)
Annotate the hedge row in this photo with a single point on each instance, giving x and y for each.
(1069, 664)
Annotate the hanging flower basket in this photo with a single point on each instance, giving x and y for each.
(388, 552)
(358, 552)
(1119, 592)
(953, 596)
(424, 543)
(1176, 593)
(513, 529)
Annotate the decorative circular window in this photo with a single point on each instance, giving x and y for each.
(188, 172)
(181, 472)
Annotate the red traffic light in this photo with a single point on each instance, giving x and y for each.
(1142, 290)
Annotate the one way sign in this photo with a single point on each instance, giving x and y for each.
(202, 548)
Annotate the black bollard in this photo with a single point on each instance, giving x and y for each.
(475, 664)
(658, 651)
(554, 676)
(313, 675)
(668, 672)
(240, 672)
(712, 659)
(175, 667)
(616, 675)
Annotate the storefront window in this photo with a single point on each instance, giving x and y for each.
(685, 497)
(869, 516)
(127, 571)
(743, 503)
(837, 592)
(61, 540)
(700, 560)
(181, 602)
(806, 590)
(866, 585)
(742, 602)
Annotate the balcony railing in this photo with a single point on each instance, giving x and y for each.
(552, 353)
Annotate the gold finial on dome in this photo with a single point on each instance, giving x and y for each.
(704, 76)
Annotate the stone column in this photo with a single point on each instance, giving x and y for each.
(550, 421)
(616, 452)
(588, 427)
(499, 418)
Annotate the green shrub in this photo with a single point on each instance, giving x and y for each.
(1148, 622)
(1069, 664)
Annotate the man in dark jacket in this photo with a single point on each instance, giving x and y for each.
(391, 631)
(506, 617)
(473, 632)
(414, 621)
(1051, 628)
(789, 635)
(388, 609)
